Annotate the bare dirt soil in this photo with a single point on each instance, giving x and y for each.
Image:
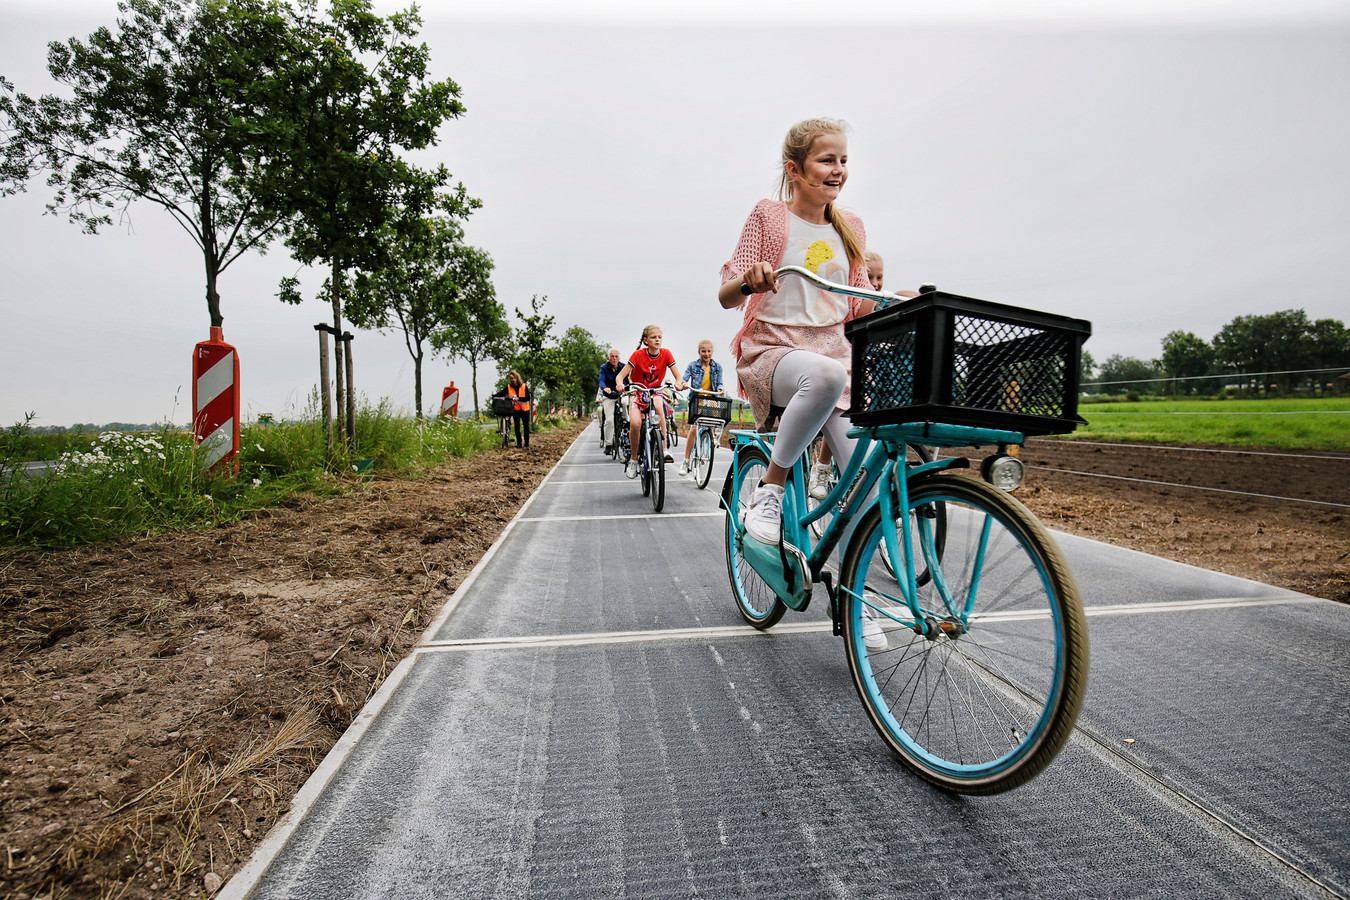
(163, 698)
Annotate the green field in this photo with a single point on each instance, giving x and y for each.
(1294, 424)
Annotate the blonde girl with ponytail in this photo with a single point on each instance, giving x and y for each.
(791, 351)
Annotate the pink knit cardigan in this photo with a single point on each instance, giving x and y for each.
(764, 238)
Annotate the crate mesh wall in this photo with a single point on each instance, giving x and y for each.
(1010, 368)
(995, 366)
(888, 373)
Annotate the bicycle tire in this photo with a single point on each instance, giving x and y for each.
(645, 460)
(658, 472)
(981, 708)
(704, 448)
(757, 602)
(506, 434)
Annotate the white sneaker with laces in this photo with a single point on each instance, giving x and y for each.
(874, 638)
(684, 468)
(764, 518)
(632, 470)
(820, 481)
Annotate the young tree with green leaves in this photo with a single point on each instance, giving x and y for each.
(361, 97)
(1188, 357)
(537, 357)
(421, 287)
(477, 330)
(1126, 374)
(177, 106)
(582, 356)
(1280, 342)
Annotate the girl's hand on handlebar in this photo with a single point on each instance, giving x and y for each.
(760, 278)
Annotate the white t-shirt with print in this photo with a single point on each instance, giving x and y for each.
(819, 249)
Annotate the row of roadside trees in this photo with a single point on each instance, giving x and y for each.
(1280, 353)
(253, 121)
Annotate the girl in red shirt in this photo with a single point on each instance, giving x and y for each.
(646, 367)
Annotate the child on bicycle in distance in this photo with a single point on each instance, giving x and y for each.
(791, 350)
(703, 374)
(647, 368)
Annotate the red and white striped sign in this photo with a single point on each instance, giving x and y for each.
(215, 402)
(450, 401)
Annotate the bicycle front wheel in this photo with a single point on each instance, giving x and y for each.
(758, 604)
(658, 471)
(982, 693)
(703, 457)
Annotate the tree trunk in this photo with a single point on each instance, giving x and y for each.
(335, 297)
(351, 392)
(473, 381)
(417, 380)
(210, 257)
(323, 390)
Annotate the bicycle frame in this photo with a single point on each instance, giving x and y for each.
(876, 460)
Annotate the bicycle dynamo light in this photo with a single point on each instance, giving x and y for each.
(1003, 471)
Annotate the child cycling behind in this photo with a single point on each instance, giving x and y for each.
(791, 350)
(703, 374)
(646, 368)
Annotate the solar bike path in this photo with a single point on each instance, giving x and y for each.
(589, 717)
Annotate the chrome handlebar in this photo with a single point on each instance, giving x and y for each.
(882, 298)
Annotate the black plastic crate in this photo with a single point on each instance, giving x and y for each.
(962, 361)
(706, 407)
(501, 406)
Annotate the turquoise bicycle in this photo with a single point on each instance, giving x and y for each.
(970, 655)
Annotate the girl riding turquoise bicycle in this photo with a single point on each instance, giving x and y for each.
(791, 351)
(962, 624)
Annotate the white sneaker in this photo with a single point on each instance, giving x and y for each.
(764, 519)
(820, 481)
(874, 638)
(684, 468)
(632, 470)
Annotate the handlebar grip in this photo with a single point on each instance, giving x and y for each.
(745, 288)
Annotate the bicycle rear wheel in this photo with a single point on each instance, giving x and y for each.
(703, 457)
(506, 433)
(984, 702)
(758, 604)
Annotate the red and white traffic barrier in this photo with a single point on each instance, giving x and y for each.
(215, 402)
(450, 402)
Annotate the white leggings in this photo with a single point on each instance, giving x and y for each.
(808, 385)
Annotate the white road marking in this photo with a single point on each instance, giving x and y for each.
(534, 642)
(655, 516)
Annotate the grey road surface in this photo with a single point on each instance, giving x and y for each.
(589, 717)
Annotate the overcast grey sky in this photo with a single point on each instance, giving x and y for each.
(1149, 166)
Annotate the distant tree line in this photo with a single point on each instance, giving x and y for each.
(254, 121)
(1262, 355)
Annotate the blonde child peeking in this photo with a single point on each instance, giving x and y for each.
(646, 367)
(819, 485)
(791, 350)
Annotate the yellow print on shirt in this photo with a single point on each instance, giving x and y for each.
(817, 255)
